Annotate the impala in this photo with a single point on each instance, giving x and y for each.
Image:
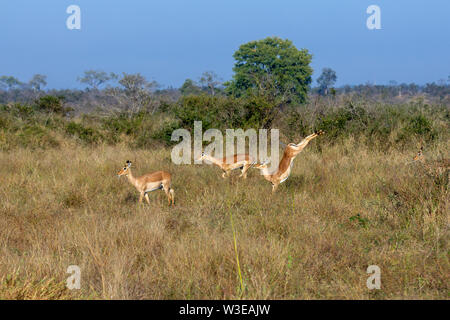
(285, 166)
(149, 182)
(434, 166)
(228, 164)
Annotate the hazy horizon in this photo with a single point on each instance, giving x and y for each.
(173, 40)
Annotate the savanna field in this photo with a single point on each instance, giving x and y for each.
(354, 199)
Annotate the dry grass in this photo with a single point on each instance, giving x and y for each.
(66, 207)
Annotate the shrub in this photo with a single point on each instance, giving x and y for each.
(35, 136)
(117, 125)
(259, 112)
(225, 112)
(165, 133)
(87, 135)
(418, 127)
(335, 124)
(50, 103)
(296, 125)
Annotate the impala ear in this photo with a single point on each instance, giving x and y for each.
(128, 163)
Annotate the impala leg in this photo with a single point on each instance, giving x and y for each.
(141, 196)
(242, 175)
(223, 174)
(274, 187)
(244, 170)
(172, 196)
(147, 198)
(167, 191)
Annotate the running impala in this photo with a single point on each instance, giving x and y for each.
(149, 182)
(228, 164)
(285, 166)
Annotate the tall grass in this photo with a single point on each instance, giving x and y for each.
(66, 207)
(353, 200)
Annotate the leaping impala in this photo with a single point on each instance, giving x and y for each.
(149, 182)
(228, 164)
(285, 166)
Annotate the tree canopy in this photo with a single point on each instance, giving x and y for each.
(210, 80)
(326, 80)
(9, 82)
(273, 67)
(96, 78)
(38, 82)
(190, 87)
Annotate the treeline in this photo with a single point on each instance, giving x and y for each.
(271, 88)
(271, 68)
(47, 123)
(136, 93)
(436, 90)
(120, 99)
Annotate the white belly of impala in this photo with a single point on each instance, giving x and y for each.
(153, 186)
(236, 165)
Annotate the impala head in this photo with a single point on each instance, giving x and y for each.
(320, 132)
(419, 156)
(125, 170)
(202, 157)
(316, 133)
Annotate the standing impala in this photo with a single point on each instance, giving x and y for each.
(284, 168)
(433, 166)
(149, 182)
(227, 164)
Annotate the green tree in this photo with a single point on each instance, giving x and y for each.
(51, 104)
(210, 81)
(326, 80)
(272, 67)
(136, 93)
(38, 82)
(9, 82)
(189, 87)
(95, 79)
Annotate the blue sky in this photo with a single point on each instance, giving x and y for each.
(171, 40)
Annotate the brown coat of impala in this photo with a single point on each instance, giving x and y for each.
(149, 182)
(228, 164)
(284, 167)
(433, 166)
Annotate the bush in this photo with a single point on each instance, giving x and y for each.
(117, 125)
(296, 125)
(51, 104)
(379, 125)
(87, 135)
(165, 133)
(344, 121)
(225, 112)
(34, 136)
(418, 127)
